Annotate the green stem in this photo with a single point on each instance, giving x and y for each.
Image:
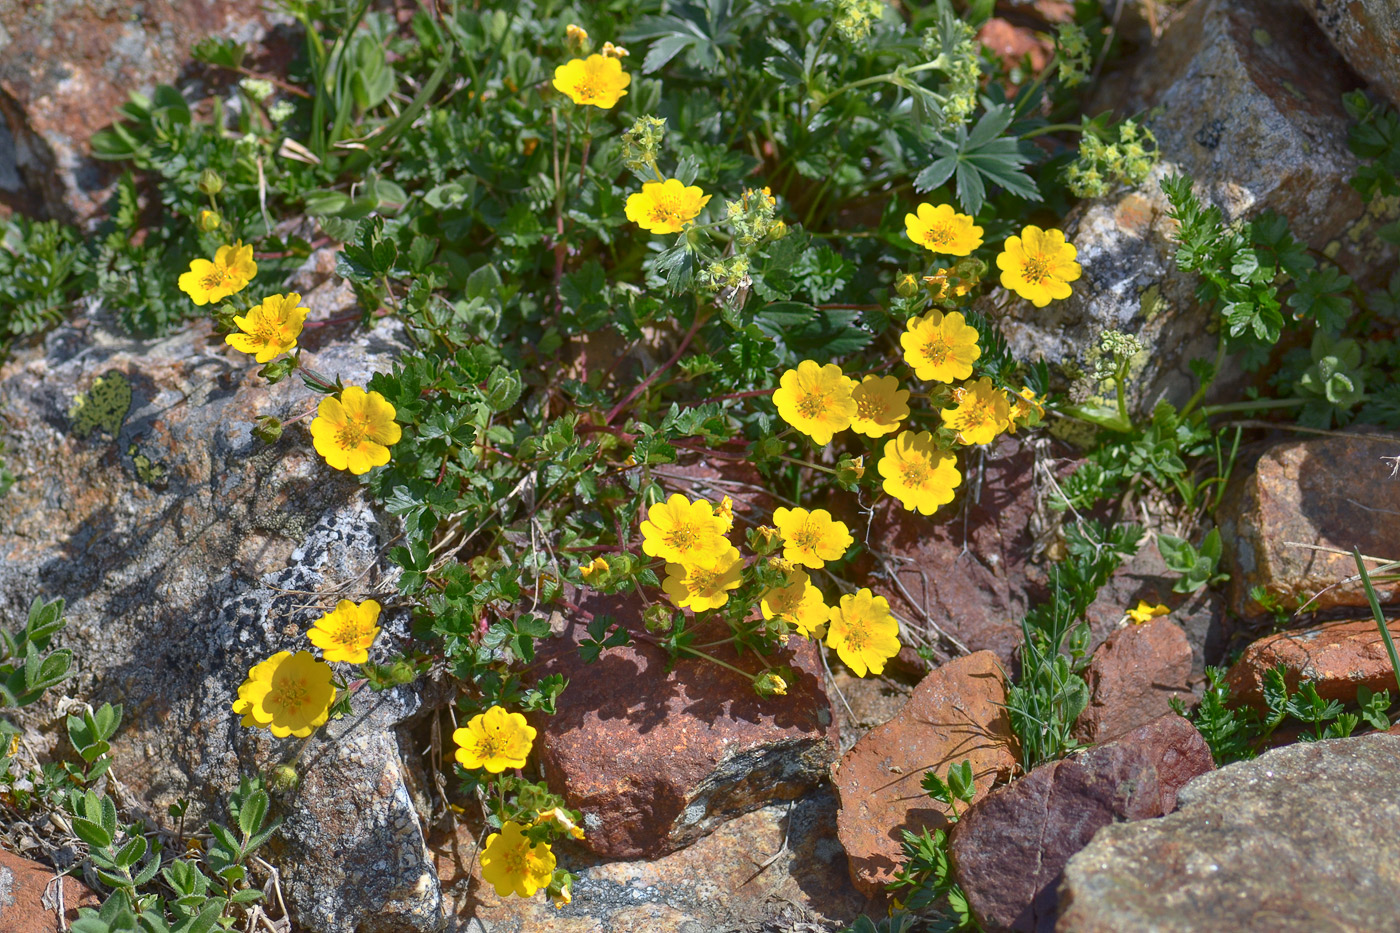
(1205, 385)
(1260, 404)
(807, 463)
(1052, 128)
(1379, 616)
(891, 76)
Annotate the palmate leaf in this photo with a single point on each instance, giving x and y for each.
(975, 159)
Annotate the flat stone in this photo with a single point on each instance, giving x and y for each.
(68, 66)
(1367, 33)
(1330, 492)
(1132, 677)
(956, 713)
(1338, 657)
(187, 551)
(657, 759)
(1301, 839)
(1222, 93)
(1009, 849)
(30, 895)
(717, 885)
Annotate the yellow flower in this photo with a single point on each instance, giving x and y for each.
(939, 346)
(573, 33)
(705, 585)
(981, 415)
(514, 865)
(816, 400)
(494, 740)
(346, 632)
(880, 406)
(942, 230)
(946, 284)
(591, 570)
(665, 206)
(811, 538)
(1026, 409)
(596, 80)
(799, 604)
(1038, 265)
(614, 51)
(355, 431)
(561, 819)
(270, 328)
(684, 532)
(1144, 612)
(291, 694)
(232, 269)
(917, 473)
(864, 632)
(725, 513)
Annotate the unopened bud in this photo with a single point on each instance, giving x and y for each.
(906, 286)
(209, 221)
(402, 671)
(267, 429)
(284, 778)
(211, 182)
(657, 618)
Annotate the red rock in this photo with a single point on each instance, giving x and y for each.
(971, 577)
(656, 759)
(1132, 678)
(1332, 492)
(956, 713)
(1337, 657)
(29, 896)
(67, 66)
(1010, 849)
(1367, 33)
(1012, 43)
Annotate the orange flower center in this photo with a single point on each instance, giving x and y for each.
(1036, 269)
(808, 537)
(855, 639)
(352, 433)
(267, 330)
(870, 407)
(666, 210)
(487, 746)
(813, 404)
(683, 536)
(585, 90)
(348, 635)
(936, 349)
(289, 693)
(915, 473)
(216, 278)
(938, 234)
(703, 582)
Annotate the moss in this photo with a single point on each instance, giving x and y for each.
(150, 472)
(103, 406)
(1151, 302)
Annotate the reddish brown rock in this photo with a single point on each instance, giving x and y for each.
(1132, 678)
(956, 713)
(1367, 33)
(29, 896)
(1332, 492)
(1010, 849)
(1337, 657)
(1012, 43)
(970, 575)
(656, 759)
(65, 68)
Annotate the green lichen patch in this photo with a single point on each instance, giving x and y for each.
(103, 406)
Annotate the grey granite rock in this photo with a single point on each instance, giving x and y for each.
(1303, 839)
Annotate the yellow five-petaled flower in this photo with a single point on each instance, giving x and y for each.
(291, 694)
(1038, 265)
(666, 206)
(817, 400)
(698, 586)
(355, 431)
(811, 538)
(943, 230)
(798, 603)
(597, 80)
(494, 740)
(918, 473)
(941, 347)
(864, 632)
(347, 631)
(270, 328)
(880, 406)
(982, 413)
(1145, 612)
(230, 272)
(512, 864)
(684, 532)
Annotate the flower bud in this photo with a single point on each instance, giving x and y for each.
(906, 286)
(211, 182)
(209, 221)
(283, 779)
(770, 683)
(657, 618)
(402, 671)
(267, 429)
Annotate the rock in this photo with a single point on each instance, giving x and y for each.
(957, 713)
(65, 68)
(1217, 91)
(1144, 576)
(1009, 849)
(1132, 678)
(656, 759)
(1301, 839)
(866, 702)
(716, 885)
(1329, 492)
(968, 575)
(1337, 657)
(1367, 33)
(188, 550)
(31, 894)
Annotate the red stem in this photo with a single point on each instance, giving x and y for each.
(641, 387)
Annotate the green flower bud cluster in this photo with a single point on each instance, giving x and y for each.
(955, 52)
(1125, 158)
(1073, 54)
(853, 18)
(642, 143)
(1112, 354)
(257, 88)
(726, 273)
(754, 217)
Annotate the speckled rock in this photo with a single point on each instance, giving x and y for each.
(1330, 492)
(65, 68)
(187, 551)
(31, 894)
(717, 885)
(956, 713)
(1301, 839)
(1222, 92)
(1133, 677)
(1367, 33)
(1336, 657)
(656, 759)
